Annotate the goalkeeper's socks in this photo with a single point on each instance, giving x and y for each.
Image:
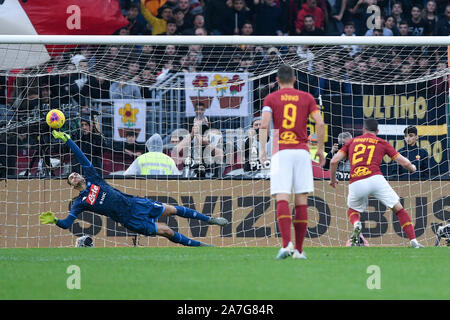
(405, 222)
(300, 225)
(284, 218)
(185, 241)
(189, 213)
(353, 216)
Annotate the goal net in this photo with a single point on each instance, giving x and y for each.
(198, 100)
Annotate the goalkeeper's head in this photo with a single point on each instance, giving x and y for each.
(76, 181)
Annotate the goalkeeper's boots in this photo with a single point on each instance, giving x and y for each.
(219, 221)
(283, 253)
(356, 232)
(415, 244)
(202, 244)
(298, 255)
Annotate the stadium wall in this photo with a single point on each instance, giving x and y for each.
(246, 203)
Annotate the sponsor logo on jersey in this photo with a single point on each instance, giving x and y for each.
(93, 194)
(288, 137)
(288, 97)
(360, 172)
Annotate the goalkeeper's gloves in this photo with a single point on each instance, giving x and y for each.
(47, 217)
(61, 135)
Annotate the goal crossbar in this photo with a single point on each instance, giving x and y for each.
(225, 40)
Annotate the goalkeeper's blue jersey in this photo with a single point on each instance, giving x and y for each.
(99, 197)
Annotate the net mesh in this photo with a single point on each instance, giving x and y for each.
(115, 97)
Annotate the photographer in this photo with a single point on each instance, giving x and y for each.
(343, 171)
(251, 148)
(202, 152)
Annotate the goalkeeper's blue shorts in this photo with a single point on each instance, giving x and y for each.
(143, 220)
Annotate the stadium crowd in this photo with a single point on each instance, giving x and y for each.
(83, 74)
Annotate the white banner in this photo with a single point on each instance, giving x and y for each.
(129, 115)
(223, 94)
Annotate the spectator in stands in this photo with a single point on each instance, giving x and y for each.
(216, 12)
(310, 28)
(182, 25)
(135, 27)
(247, 29)
(397, 12)
(154, 5)
(171, 28)
(83, 87)
(205, 155)
(269, 18)
(349, 31)
(91, 143)
(418, 156)
(443, 28)
(309, 8)
(251, 147)
(124, 88)
(417, 25)
(344, 166)
(188, 11)
(336, 17)
(403, 28)
(175, 138)
(235, 18)
(391, 24)
(131, 148)
(159, 22)
(124, 31)
(429, 15)
(103, 85)
(200, 117)
(154, 162)
(198, 22)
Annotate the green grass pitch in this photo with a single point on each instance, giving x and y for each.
(224, 273)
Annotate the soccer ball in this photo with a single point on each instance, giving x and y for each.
(55, 119)
(84, 241)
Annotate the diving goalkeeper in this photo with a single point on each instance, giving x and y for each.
(135, 213)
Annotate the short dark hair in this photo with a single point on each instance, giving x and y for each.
(410, 129)
(403, 22)
(285, 74)
(309, 16)
(349, 23)
(171, 21)
(371, 125)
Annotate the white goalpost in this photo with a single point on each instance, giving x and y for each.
(202, 95)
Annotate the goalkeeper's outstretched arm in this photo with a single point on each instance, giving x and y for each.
(77, 152)
(49, 218)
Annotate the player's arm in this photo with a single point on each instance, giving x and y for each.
(264, 133)
(338, 157)
(78, 153)
(404, 162)
(49, 218)
(320, 132)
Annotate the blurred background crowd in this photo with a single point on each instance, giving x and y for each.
(84, 74)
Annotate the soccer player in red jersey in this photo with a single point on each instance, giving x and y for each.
(290, 166)
(366, 153)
